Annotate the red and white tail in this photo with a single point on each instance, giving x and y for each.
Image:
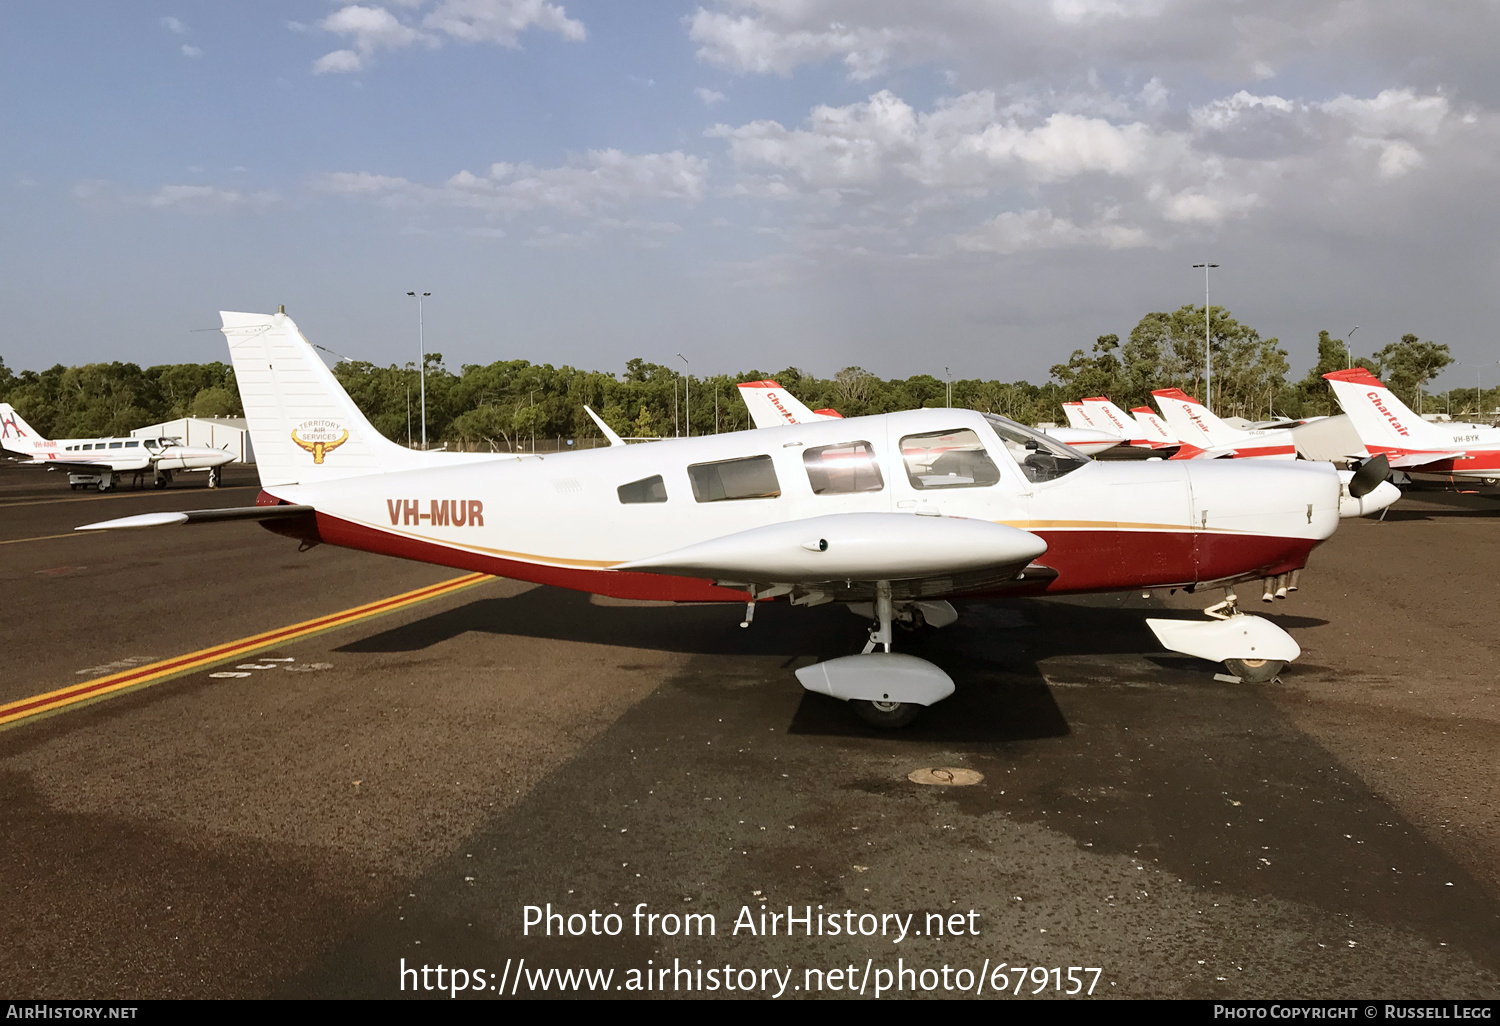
(770, 405)
(1199, 429)
(1383, 422)
(1078, 417)
(19, 437)
(1111, 418)
(1192, 422)
(1153, 427)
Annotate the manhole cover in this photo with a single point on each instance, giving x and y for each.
(945, 776)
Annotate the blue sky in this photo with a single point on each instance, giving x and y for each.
(981, 184)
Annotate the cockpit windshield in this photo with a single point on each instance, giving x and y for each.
(1040, 458)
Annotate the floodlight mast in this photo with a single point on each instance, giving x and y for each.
(422, 365)
(1208, 351)
(687, 403)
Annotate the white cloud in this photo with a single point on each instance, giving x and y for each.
(174, 26)
(1022, 231)
(368, 30)
(965, 142)
(191, 51)
(502, 21)
(749, 43)
(1397, 158)
(204, 198)
(600, 181)
(709, 96)
(338, 62)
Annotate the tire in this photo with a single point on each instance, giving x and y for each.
(886, 715)
(1255, 671)
(159, 482)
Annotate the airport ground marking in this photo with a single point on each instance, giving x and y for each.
(134, 493)
(114, 684)
(40, 537)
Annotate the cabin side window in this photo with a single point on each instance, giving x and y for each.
(647, 489)
(752, 477)
(948, 459)
(842, 469)
(132, 445)
(116, 445)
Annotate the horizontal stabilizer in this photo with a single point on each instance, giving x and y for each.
(200, 516)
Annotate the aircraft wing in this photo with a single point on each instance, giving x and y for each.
(842, 556)
(1410, 459)
(200, 516)
(78, 466)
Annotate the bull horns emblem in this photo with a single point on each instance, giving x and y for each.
(320, 447)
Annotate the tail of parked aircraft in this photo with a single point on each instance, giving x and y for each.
(1381, 420)
(770, 405)
(1192, 422)
(1079, 419)
(304, 426)
(16, 435)
(1153, 427)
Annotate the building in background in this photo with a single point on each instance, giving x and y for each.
(218, 432)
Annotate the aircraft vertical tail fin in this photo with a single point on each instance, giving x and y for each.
(1381, 420)
(1111, 418)
(1153, 427)
(1078, 417)
(304, 426)
(1192, 422)
(770, 405)
(16, 435)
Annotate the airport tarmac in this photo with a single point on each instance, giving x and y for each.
(402, 785)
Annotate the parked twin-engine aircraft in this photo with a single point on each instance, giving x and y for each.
(1205, 436)
(770, 405)
(95, 461)
(895, 514)
(1386, 425)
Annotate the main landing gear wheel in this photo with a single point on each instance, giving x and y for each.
(1255, 671)
(886, 715)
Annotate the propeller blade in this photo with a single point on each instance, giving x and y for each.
(1368, 477)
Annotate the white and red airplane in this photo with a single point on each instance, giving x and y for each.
(95, 461)
(1098, 411)
(1387, 425)
(1153, 427)
(1205, 436)
(770, 405)
(896, 513)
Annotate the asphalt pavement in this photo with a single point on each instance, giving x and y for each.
(410, 789)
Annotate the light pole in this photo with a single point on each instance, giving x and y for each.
(422, 366)
(1208, 354)
(533, 420)
(949, 375)
(687, 403)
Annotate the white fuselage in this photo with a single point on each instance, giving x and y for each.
(560, 519)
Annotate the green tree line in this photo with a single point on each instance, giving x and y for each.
(508, 403)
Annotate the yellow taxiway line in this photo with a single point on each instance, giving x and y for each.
(40, 537)
(153, 673)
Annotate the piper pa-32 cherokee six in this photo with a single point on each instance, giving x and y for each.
(892, 514)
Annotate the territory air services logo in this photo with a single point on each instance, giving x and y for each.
(319, 437)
